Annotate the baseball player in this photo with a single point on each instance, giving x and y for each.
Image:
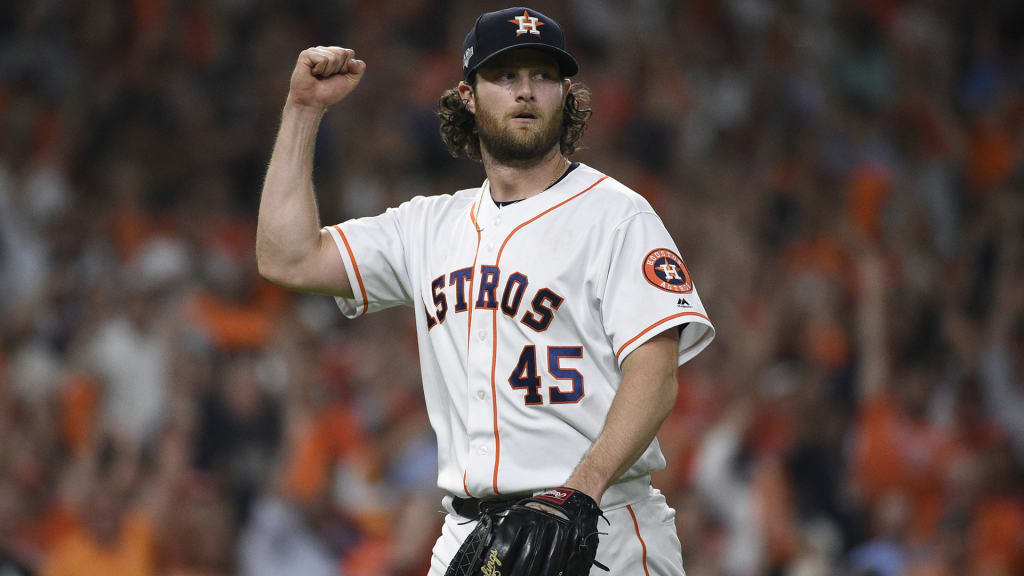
(552, 309)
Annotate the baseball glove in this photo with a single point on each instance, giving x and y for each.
(529, 540)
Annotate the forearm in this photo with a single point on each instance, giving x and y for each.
(643, 401)
(290, 248)
(288, 228)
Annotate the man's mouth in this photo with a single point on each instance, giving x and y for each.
(525, 116)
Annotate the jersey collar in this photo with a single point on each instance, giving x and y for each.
(489, 215)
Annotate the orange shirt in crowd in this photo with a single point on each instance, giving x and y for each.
(822, 255)
(43, 532)
(997, 537)
(778, 513)
(234, 326)
(895, 453)
(79, 401)
(867, 190)
(373, 556)
(332, 436)
(991, 156)
(132, 555)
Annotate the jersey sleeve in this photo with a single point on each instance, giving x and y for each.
(374, 252)
(649, 290)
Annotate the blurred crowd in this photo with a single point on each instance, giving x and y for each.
(844, 178)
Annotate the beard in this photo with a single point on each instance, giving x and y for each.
(516, 146)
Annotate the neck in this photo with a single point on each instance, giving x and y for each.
(518, 182)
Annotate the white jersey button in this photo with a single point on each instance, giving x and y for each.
(482, 335)
(483, 450)
(490, 247)
(497, 221)
(481, 394)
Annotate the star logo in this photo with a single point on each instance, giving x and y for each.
(671, 271)
(664, 269)
(527, 24)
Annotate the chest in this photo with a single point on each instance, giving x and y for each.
(526, 269)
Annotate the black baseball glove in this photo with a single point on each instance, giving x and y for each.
(531, 540)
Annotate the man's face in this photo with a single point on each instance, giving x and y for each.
(518, 101)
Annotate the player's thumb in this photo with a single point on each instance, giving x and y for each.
(356, 68)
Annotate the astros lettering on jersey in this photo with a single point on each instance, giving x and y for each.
(524, 315)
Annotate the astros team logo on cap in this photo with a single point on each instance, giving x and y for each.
(664, 269)
(527, 24)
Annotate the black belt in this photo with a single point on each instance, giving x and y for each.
(473, 508)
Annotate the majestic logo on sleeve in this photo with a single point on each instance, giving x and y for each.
(664, 269)
(527, 23)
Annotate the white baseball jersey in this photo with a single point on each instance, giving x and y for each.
(524, 315)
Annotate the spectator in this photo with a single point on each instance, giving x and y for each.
(114, 539)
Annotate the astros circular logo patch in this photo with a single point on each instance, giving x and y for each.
(664, 269)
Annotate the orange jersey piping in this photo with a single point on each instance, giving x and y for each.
(355, 266)
(494, 325)
(653, 326)
(469, 309)
(472, 278)
(643, 546)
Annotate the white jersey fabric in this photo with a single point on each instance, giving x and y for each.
(524, 315)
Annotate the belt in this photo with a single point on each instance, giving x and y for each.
(616, 496)
(473, 508)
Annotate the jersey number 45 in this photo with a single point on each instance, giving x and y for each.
(524, 375)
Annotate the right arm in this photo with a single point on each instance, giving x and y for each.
(291, 250)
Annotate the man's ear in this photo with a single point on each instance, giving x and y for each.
(566, 84)
(466, 93)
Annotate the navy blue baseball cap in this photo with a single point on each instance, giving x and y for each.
(504, 30)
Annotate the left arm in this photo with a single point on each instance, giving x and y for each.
(643, 401)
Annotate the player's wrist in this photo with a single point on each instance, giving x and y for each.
(593, 489)
(300, 110)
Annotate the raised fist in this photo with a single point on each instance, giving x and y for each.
(324, 75)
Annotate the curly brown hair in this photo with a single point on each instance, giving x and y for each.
(458, 125)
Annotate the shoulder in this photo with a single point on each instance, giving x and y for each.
(611, 197)
(439, 204)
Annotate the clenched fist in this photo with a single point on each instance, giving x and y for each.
(324, 75)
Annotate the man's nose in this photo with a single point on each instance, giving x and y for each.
(523, 87)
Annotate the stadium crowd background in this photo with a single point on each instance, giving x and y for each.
(844, 177)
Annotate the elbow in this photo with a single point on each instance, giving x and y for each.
(266, 270)
(290, 275)
(265, 265)
(271, 269)
(278, 275)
